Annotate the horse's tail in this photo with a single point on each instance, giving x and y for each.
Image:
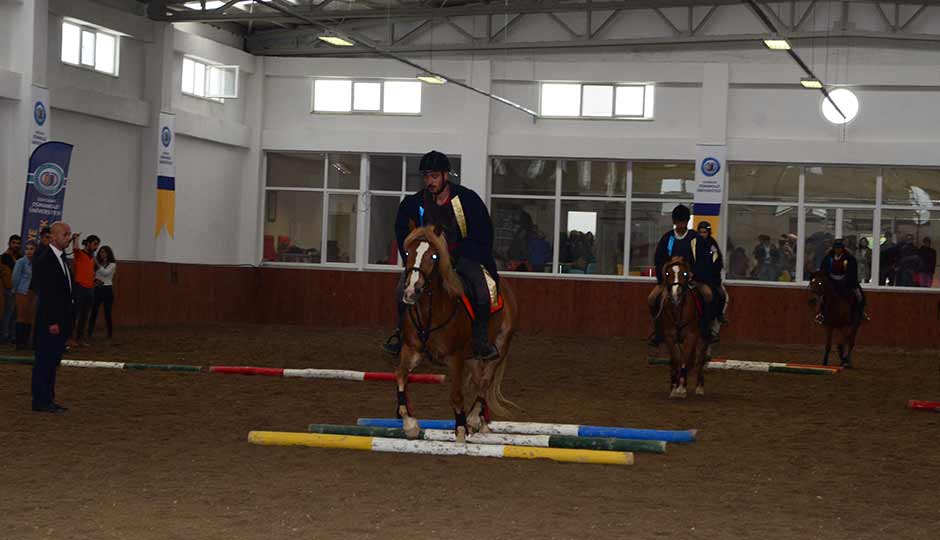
(497, 402)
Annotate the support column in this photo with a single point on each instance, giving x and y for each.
(158, 85)
(252, 180)
(476, 122)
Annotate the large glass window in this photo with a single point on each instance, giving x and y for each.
(577, 100)
(663, 180)
(293, 226)
(907, 252)
(523, 176)
(759, 182)
(762, 242)
(828, 184)
(605, 178)
(911, 187)
(523, 231)
(591, 237)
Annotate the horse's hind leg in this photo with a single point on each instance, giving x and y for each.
(409, 360)
(703, 359)
(481, 376)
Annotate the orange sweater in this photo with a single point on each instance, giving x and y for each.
(84, 269)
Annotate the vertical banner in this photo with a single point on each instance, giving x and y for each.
(45, 188)
(166, 176)
(39, 126)
(711, 170)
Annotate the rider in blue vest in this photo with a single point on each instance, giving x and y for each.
(468, 229)
(842, 269)
(679, 242)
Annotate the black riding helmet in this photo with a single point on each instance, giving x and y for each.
(704, 225)
(681, 213)
(434, 161)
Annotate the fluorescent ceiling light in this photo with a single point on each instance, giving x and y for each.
(336, 40)
(431, 79)
(809, 82)
(777, 44)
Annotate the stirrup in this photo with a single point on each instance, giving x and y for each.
(819, 318)
(654, 340)
(392, 345)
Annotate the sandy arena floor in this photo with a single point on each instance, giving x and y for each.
(151, 455)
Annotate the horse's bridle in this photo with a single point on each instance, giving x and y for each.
(424, 327)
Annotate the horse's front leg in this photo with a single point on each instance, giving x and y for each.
(409, 361)
(456, 363)
(678, 371)
(828, 345)
(701, 362)
(481, 377)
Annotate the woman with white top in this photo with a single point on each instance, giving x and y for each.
(105, 267)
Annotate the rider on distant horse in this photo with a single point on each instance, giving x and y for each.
(842, 269)
(680, 242)
(713, 279)
(467, 226)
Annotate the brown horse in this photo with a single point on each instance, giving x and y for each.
(438, 326)
(840, 316)
(681, 329)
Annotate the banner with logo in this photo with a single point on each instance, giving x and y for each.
(166, 176)
(711, 172)
(45, 188)
(39, 127)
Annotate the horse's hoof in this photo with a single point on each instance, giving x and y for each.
(461, 435)
(474, 421)
(846, 365)
(410, 427)
(484, 427)
(700, 391)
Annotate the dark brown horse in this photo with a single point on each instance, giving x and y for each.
(841, 316)
(438, 326)
(681, 316)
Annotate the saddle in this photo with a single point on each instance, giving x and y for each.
(496, 298)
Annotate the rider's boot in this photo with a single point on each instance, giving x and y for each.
(482, 348)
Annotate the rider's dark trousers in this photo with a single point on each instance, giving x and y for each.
(472, 272)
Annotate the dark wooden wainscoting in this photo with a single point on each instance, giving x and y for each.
(161, 293)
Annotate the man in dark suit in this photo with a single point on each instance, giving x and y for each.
(54, 316)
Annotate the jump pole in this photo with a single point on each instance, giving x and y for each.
(438, 448)
(335, 374)
(543, 441)
(535, 428)
(764, 367)
(920, 405)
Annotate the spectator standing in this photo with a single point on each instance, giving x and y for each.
(928, 263)
(84, 289)
(8, 311)
(768, 259)
(863, 256)
(105, 267)
(25, 297)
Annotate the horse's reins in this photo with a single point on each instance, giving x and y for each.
(425, 330)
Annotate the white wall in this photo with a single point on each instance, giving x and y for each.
(103, 192)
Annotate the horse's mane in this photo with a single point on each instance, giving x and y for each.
(452, 283)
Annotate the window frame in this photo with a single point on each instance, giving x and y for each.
(352, 97)
(647, 87)
(207, 66)
(84, 27)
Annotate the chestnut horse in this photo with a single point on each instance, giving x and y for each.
(681, 315)
(841, 315)
(438, 326)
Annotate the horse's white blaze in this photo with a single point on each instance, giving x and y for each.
(675, 282)
(413, 277)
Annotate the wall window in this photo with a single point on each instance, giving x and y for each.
(591, 100)
(910, 227)
(89, 47)
(204, 79)
(367, 96)
(657, 188)
(311, 208)
(761, 242)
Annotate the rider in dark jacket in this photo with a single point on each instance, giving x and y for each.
(842, 269)
(715, 263)
(468, 229)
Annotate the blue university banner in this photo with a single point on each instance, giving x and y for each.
(711, 170)
(166, 177)
(45, 187)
